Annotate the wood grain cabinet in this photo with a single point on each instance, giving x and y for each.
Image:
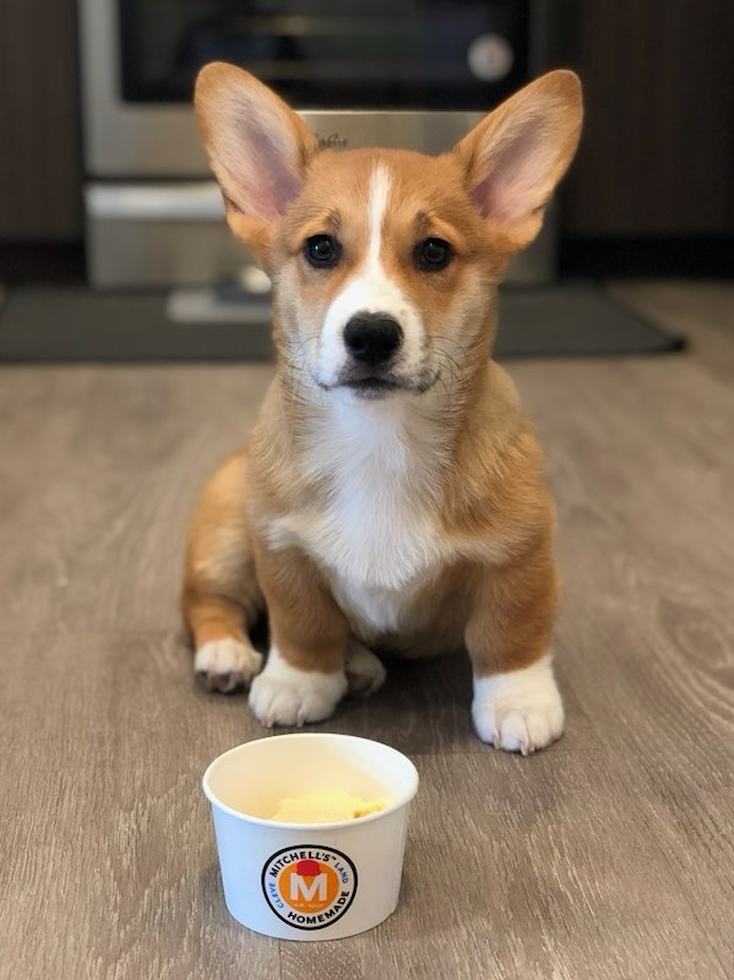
(657, 154)
(40, 151)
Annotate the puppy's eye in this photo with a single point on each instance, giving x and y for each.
(322, 251)
(432, 254)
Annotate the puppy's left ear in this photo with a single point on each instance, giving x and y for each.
(258, 147)
(513, 159)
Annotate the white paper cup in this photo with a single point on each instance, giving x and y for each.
(309, 881)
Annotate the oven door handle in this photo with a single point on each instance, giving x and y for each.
(180, 201)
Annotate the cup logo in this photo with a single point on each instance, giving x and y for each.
(309, 887)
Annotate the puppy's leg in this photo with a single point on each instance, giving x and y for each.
(221, 598)
(304, 677)
(365, 672)
(517, 705)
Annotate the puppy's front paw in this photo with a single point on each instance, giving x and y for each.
(520, 711)
(284, 695)
(365, 672)
(224, 665)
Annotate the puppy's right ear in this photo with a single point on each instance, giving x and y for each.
(257, 146)
(515, 156)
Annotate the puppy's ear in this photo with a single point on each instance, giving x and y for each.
(513, 159)
(257, 146)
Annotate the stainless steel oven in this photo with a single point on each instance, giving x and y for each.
(414, 73)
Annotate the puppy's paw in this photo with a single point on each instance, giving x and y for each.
(520, 711)
(224, 665)
(285, 695)
(365, 672)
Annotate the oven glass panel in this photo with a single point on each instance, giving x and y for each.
(331, 54)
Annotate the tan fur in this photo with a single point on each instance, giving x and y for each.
(495, 589)
(221, 596)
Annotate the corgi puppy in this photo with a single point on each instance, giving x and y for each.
(392, 495)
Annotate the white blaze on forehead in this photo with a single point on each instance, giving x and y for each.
(372, 291)
(379, 190)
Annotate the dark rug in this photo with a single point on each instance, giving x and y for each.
(43, 324)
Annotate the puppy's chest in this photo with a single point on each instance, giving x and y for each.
(378, 550)
(374, 533)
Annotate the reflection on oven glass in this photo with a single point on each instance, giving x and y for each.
(398, 54)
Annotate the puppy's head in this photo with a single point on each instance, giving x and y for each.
(384, 262)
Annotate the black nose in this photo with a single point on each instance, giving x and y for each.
(372, 338)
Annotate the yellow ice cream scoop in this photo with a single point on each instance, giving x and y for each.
(327, 806)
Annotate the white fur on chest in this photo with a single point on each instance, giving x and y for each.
(374, 530)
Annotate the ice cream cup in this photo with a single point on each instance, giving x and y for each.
(309, 881)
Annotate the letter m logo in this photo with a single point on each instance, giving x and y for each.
(300, 889)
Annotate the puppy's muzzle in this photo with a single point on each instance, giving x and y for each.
(373, 339)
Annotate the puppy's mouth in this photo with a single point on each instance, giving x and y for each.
(372, 387)
(375, 387)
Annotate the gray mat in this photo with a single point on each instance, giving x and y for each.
(74, 324)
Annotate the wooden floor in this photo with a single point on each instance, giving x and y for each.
(606, 856)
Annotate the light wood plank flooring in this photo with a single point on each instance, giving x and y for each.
(606, 856)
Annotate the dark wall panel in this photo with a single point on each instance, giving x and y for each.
(40, 157)
(657, 156)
